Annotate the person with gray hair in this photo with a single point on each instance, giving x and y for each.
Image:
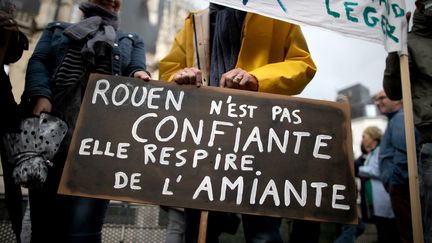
(376, 207)
(393, 163)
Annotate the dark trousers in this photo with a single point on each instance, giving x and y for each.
(8, 123)
(305, 231)
(67, 219)
(257, 229)
(425, 172)
(386, 228)
(400, 200)
(349, 232)
(13, 196)
(60, 218)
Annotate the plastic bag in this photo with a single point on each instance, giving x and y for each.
(32, 148)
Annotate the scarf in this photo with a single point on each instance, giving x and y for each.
(226, 25)
(97, 29)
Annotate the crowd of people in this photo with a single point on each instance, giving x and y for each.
(67, 53)
(391, 170)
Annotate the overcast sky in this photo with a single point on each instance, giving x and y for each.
(342, 62)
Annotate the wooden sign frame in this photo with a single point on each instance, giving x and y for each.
(212, 149)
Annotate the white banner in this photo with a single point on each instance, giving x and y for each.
(379, 21)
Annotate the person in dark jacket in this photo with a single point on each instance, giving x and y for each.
(56, 78)
(12, 44)
(420, 66)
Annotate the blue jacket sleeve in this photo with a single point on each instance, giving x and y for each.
(137, 56)
(39, 69)
(393, 153)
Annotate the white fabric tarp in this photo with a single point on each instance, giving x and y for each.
(379, 21)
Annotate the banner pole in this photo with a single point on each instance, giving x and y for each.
(411, 152)
(203, 227)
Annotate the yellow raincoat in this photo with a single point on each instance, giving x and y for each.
(275, 52)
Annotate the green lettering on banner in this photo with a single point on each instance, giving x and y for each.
(349, 10)
(368, 18)
(398, 11)
(388, 29)
(330, 12)
(386, 5)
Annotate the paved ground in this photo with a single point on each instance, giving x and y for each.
(127, 223)
(146, 223)
(123, 223)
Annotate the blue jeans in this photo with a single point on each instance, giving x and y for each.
(261, 229)
(60, 218)
(425, 175)
(176, 226)
(67, 219)
(349, 232)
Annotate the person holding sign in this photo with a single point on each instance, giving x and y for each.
(228, 48)
(56, 79)
(12, 44)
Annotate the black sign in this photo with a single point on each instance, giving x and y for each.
(213, 149)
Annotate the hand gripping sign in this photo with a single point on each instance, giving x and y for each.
(212, 149)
